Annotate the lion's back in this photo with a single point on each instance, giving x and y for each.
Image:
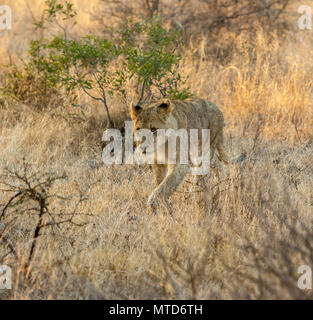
(199, 113)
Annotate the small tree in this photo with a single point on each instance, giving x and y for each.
(100, 67)
(151, 56)
(31, 199)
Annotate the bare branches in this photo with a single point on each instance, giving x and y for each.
(141, 94)
(207, 17)
(31, 201)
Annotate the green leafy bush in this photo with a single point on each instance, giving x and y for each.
(151, 55)
(99, 67)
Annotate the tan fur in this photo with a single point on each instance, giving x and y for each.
(188, 114)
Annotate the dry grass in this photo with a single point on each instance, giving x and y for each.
(248, 245)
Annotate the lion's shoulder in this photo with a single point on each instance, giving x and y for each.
(198, 112)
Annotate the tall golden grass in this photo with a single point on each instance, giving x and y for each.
(247, 245)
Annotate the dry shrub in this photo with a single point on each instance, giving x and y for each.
(205, 17)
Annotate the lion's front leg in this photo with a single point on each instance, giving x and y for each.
(175, 175)
(159, 172)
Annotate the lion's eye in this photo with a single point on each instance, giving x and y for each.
(137, 129)
(153, 130)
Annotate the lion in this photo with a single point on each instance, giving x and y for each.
(176, 114)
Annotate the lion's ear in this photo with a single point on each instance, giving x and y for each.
(134, 111)
(165, 107)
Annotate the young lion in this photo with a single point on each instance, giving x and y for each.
(188, 114)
